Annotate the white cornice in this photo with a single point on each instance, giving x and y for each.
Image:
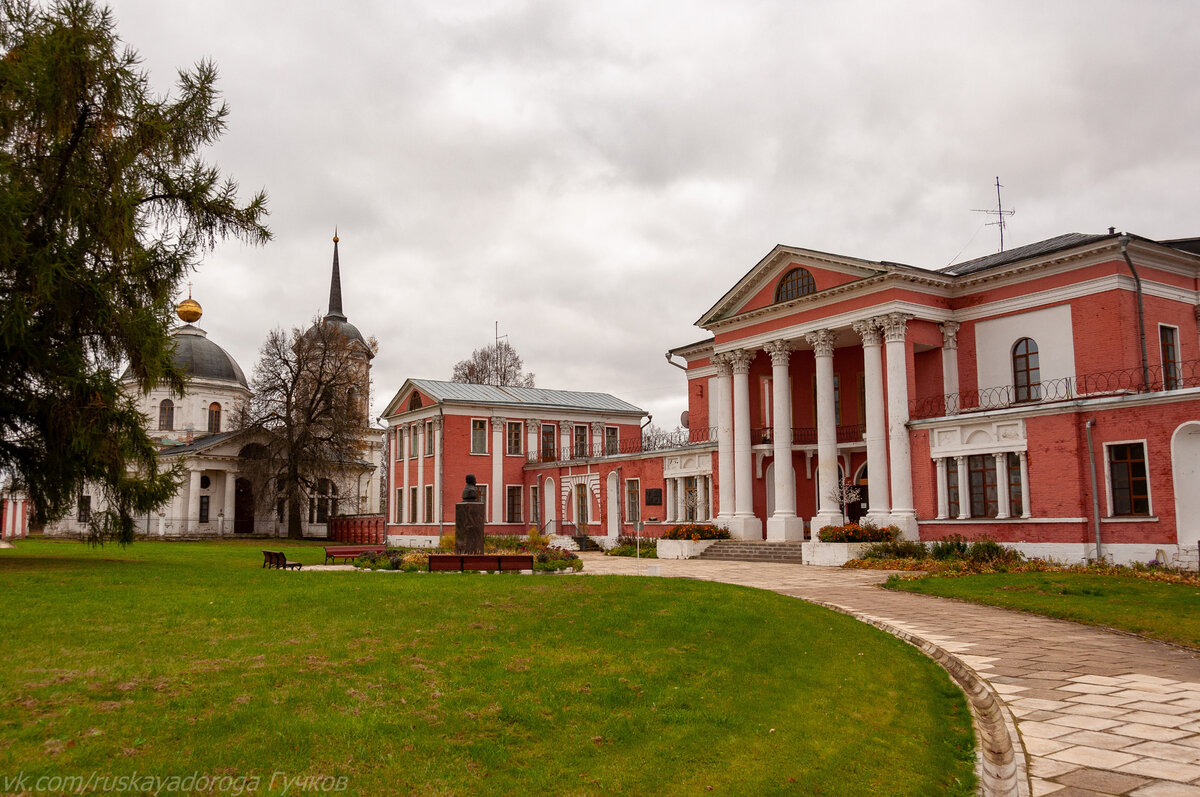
(1061, 407)
(840, 321)
(1076, 290)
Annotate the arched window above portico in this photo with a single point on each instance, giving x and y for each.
(796, 283)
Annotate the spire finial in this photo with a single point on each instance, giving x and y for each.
(335, 286)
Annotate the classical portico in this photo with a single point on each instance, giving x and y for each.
(886, 434)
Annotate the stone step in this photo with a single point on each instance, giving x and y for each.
(749, 551)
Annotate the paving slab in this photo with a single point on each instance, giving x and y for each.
(1139, 734)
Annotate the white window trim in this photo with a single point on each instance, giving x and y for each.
(521, 488)
(604, 442)
(1108, 493)
(428, 508)
(412, 503)
(575, 440)
(398, 514)
(487, 438)
(399, 444)
(1178, 359)
(638, 482)
(428, 450)
(520, 438)
(535, 521)
(413, 442)
(487, 500)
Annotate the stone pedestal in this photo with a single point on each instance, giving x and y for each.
(468, 527)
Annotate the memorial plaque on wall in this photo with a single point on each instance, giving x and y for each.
(654, 496)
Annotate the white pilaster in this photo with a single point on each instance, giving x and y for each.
(1025, 510)
(230, 494)
(533, 439)
(192, 522)
(437, 470)
(669, 500)
(943, 496)
(725, 435)
(829, 513)
(964, 489)
(1003, 508)
(420, 472)
(597, 439)
(407, 503)
(496, 488)
(565, 443)
(783, 523)
(879, 505)
(950, 364)
(894, 326)
(680, 500)
(745, 525)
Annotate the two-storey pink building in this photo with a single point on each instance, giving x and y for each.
(1047, 397)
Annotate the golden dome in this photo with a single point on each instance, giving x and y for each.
(189, 310)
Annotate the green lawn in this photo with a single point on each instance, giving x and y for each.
(167, 659)
(1170, 612)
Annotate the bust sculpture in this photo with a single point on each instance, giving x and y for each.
(470, 492)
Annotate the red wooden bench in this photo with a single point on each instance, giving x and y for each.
(346, 552)
(277, 561)
(489, 561)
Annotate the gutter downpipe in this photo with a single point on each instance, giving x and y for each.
(1141, 311)
(1087, 427)
(672, 362)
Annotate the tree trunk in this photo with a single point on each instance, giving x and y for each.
(295, 529)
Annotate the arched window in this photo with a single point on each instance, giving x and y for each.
(414, 403)
(796, 283)
(214, 417)
(166, 415)
(1027, 376)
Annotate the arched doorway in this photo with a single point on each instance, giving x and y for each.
(243, 507)
(1185, 467)
(855, 510)
(612, 502)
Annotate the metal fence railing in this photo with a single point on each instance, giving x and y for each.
(664, 441)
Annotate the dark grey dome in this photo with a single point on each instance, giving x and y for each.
(346, 328)
(198, 356)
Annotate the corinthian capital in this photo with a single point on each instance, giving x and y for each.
(533, 425)
(780, 351)
(498, 422)
(723, 365)
(564, 427)
(822, 342)
(740, 360)
(894, 325)
(868, 330)
(949, 334)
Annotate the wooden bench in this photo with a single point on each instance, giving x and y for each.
(488, 561)
(347, 552)
(276, 560)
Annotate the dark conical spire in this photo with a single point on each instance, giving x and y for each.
(335, 286)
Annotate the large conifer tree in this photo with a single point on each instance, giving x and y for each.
(105, 204)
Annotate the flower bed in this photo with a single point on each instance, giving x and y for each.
(696, 532)
(545, 560)
(858, 532)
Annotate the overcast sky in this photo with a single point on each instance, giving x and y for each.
(595, 175)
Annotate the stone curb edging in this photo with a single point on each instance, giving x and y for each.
(1000, 763)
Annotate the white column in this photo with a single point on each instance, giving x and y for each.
(437, 470)
(903, 514)
(1003, 508)
(964, 489)
(408, 502)
(943, 487)
(745, 525)
(230, 494)
(950, 365)
(564, 441)
(724, 436)
(681, 499)
(192, 520)
(878, 495)
(420, 502)
(533, 439)
(829, 513)
(597, 439)
(496, 490)
(783, 523)
(669, 500)
(1025, 510)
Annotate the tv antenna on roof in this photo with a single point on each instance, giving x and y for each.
(999, 213)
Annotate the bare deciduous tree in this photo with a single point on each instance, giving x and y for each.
(308, 418)
(498, 364)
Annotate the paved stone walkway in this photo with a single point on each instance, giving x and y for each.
(1095, 712)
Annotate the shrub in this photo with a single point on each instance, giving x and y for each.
(952, 547)
(987, 550)
(896, 549)
(446, 543)
(858, 532)
(696, 532)
(536, 540)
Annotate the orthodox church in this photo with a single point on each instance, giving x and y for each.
(197, 429)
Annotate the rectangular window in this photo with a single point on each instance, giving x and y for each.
(412, 504)
(535, 507)
(412, 441)
(837, 399)
(429, 438)
(514, 438)
(1127, 475)
(862, 399)
(1015, 507)
(398, 514)
(479, 436)
(689, 499)
(84, 512)
(549, 443)
(428, 512)
(1168, 341)
(611, 441)
(204, 509)
(399, 444)
(952, 499)
(633, 500)
(483, 500)
(581, 505)
(981, 484)
(512, 504)
(580, 441)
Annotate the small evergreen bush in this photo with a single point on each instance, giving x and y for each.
(858, 532)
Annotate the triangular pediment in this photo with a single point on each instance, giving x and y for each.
(757, 288)
(402, 401)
